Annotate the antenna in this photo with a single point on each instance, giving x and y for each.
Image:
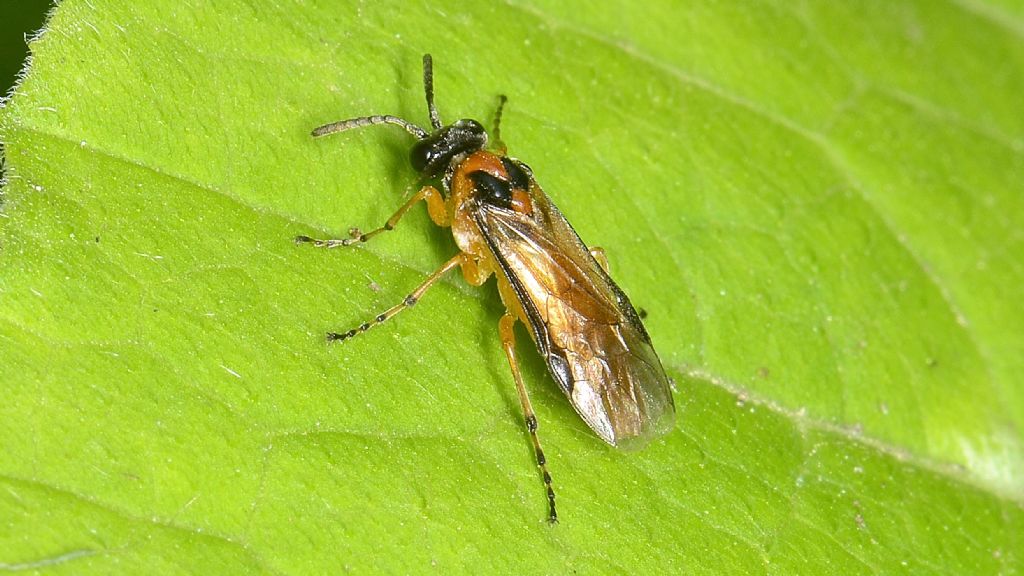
(351, 123)
(428, 87)
(498, 143)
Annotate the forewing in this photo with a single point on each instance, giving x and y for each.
(594, 343)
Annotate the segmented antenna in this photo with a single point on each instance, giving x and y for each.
(499, 144)
(428, 87)
(351, 123)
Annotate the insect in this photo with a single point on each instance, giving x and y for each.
(583, 325)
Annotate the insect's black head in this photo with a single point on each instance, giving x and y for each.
(434, 153)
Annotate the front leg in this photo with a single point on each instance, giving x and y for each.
(435, 207)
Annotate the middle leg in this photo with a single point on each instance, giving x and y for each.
(407, 302)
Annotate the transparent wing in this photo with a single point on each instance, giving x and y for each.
(595, 344)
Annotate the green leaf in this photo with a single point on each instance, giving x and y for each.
(817, 204)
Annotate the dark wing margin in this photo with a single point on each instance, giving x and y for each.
(594, 343)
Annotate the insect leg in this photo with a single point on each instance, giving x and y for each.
(407, 302)
(435, 206)
(599, 255)
(508, 342)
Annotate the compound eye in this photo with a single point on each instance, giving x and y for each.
(423, 154)
(492, 190)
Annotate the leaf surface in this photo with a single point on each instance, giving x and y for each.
(817, 204)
